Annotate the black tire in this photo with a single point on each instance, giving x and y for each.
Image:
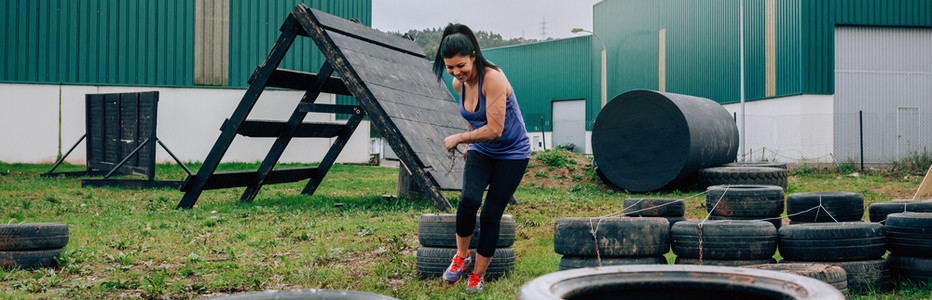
(672, 220)
(33, 236)
(797, 222)
(848, 241)
(910, 234)
(439, 230)
(675, 282)
(760, 164)
(722, 262)
(432, 262)
(575, 262)
(744, 200)
(618, 237)
(831, 274)
(915, 269)
(654, 207)
(29, 259)
(775, 220)
(863, 275)
(731, 240)
(742, 175)
(305, 294)
(843, 206)
(878, 211)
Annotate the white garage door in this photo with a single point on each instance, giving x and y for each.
(569, 124)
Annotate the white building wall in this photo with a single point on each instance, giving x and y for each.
(788, 129)
(188, 123)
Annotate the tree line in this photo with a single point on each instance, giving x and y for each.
(429, 39)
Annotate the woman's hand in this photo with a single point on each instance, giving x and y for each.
(452, 141)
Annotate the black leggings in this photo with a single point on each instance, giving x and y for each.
(502, 176)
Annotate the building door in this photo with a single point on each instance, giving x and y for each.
(908, 140)
(569, 124)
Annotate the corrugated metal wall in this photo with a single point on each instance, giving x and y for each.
(818, 25)
(547, 71)
(886, 72)
(701, 46)
(113, 42)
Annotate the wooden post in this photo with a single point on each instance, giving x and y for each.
(925, 188)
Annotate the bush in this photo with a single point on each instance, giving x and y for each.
(557, 158)
(915, 164)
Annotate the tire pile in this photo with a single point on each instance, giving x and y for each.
(595, 242)
(858, 247)
(437, 235)
(910, 241)
(32, 245)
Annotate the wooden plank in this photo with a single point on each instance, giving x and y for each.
(286, 133)
(131, 183)
(384, 67)
(223, 180)
(925, 188)
(299, 80)
(360, 31)
(270, 129)
(332, 154)
(329, 108)
(195, 184)
(369, 103)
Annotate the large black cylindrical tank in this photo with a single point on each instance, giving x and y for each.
(646, 140)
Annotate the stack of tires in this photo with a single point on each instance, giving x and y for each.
(878, 211)
(742, 175)
(595, 242)
(437, 235)
(31, 245)
(671, 209)
(724, 243)
(818, 207)
(745, 202)
(910, 243)
(855, 246)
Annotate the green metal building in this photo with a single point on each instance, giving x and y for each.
(816, 72)
(152, 43)
(198, 54)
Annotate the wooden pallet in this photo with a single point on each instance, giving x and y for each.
(393, 85)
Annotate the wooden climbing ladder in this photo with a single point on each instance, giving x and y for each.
(392, 83)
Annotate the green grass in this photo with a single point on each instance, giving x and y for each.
(133, 243)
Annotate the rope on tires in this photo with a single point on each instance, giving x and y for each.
(593, 229)
(699, 226)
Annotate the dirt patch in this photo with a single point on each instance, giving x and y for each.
(559, 169)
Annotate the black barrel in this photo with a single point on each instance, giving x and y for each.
(646, 140)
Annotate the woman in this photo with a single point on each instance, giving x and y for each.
(497, 153)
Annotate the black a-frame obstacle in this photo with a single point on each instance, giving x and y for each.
(392, 83)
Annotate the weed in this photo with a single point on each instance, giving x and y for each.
(154, 284)
(915, 164)
(557, 158)
(541, 174)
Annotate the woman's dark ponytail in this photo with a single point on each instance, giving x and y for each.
(458, 39)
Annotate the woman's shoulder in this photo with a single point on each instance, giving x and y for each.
(496, 77)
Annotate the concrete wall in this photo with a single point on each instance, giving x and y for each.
(188, 123)
(788, 129)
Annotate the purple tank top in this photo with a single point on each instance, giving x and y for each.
(514, 143)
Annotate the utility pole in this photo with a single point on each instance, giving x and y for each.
(543, 29)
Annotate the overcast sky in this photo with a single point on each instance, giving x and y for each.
(510, 18)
